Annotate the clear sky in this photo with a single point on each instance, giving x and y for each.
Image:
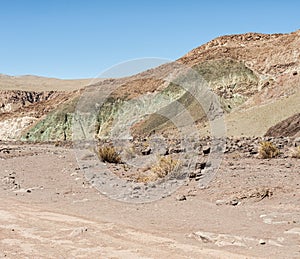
(81, 38)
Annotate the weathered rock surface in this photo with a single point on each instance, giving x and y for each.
(289, 127)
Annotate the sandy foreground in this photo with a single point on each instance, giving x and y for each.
(48, 210)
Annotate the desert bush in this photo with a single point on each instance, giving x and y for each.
(268, 150)
(164, 166)
(109, 154)
(146, 178)
(296, 152)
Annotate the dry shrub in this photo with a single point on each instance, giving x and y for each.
(296, 152)
(142, 178)
(164, 166)
(109, 154)
(268, 150)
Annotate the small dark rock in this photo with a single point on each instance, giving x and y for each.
(200, 165)
(206, 150)
(234, 202)
(192, 175)
(262, 242)
(136, 187)
(146, 151)
(181, 198)
(288, 165)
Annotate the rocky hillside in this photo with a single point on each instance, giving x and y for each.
(11, 101)
(288, 127)
(20, 110)
(256, 77)
(254, 49)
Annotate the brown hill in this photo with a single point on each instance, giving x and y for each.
(38, 83)
(256, 77)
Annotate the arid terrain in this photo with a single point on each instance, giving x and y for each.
(48, 209)
(51, 207)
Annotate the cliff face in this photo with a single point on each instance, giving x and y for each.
(20, 110)
(11, 101)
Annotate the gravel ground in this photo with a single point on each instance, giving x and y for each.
(48, 209)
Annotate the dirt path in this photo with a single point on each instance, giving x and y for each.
(30, 231)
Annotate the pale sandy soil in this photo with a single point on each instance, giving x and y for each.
(255, 121)
(48, 210)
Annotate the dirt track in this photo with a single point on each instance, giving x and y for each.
(48, 210)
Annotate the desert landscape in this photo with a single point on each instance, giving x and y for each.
(106, 168)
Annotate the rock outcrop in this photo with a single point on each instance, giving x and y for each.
(289, 127)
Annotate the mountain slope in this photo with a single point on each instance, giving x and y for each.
(256, 76)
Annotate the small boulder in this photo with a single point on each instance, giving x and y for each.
(180, 197)
(206, 150)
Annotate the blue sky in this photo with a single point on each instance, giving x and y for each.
(79, 39)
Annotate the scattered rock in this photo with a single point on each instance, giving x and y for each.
(262, 242)
(288, 165)
(234, 202)
(206, 150)
(192, 175)
(198, 176)
(200, 165)
(181, 197)
(204, 237)
(220, 202)
(146, 151)
(136, 188)
(176, 150)
(78, 231)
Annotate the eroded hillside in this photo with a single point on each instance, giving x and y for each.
(256, 77)
(22, 109)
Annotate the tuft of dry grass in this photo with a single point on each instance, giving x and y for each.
(109, 154)
(164, 166)
(296, 152)
(268, 150)
(146, 178)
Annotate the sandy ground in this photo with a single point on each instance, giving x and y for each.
(260, 117)
(48, 210)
